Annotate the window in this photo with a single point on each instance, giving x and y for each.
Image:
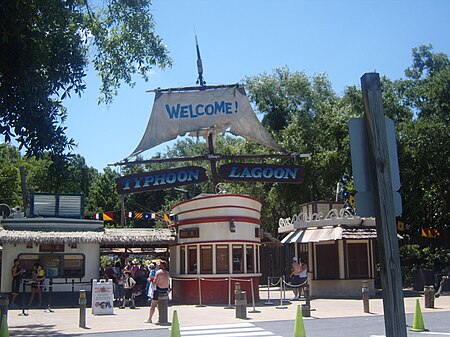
(189, 233)
(55, 265)
(222, 259)
(238, 260)
(327, 261)
(182, 260)
(192, 259)
(357, 257)
(206, 259)
(49, 248)
(250, 259)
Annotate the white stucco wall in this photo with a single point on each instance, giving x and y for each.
(91, 252)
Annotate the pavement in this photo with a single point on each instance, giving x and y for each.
(65, 321)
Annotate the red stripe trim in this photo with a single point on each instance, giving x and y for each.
(217, 196)
(216, 241)
(216, 219)
(215, 207)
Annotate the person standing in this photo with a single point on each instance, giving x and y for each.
(128, 285)
(150, 282)
(295, 278)
(161, 282)
(37, 283)
(303, 275)
(17, 274)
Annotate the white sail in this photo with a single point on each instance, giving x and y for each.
(201, 112)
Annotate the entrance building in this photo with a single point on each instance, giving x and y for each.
(339, 247)
(218, 242)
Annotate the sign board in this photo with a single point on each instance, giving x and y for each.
(262, 172)
(157, 180)
(102, 297)
(361, 166)
(219, 109)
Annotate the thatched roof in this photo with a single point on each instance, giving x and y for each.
(103, 236)
(137, 236)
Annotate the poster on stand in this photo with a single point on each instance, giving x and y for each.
(102, 297)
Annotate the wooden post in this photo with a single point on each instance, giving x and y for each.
(391, 281)
(212, 161)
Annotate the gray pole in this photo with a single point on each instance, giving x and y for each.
(391, 280)
(23, 182)
(82, 317)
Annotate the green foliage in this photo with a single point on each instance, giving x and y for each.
(44, 53)
(103, 195)
(414, 258)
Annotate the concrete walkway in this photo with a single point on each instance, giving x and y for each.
(65, 321)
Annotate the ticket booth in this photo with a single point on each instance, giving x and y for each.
(217, 244)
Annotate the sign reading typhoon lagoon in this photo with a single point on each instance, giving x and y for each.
(262, 172)
(158, 180)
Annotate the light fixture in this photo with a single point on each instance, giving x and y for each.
(232, 226)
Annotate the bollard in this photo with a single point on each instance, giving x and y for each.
(163, 304)
(82, 301)
(306, 310)
(4, 302)
(240, 301)
(365, 295)
(428, 292)
(307, 295)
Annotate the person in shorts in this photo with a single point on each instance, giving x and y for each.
(128, 285)
(17, 274)
(37, 284)
(162, 286)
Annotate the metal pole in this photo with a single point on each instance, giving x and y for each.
(24, 313)
(365, 296)
(4, 302)
(268, 302)
(281, 306)
(82, 302)
(229, 295)
(200, 293)
(50, 291)
(253, 298)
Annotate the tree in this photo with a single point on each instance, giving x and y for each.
(45, 47)
(103, 195)
(9, 176)
(423, 141)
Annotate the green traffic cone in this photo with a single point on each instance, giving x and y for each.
(418, 319)
(4, 327)
(299, 328)
(175, 330)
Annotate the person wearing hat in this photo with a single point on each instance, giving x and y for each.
(128, 284)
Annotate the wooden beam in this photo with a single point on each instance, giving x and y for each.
(391, 280)
(216, 156)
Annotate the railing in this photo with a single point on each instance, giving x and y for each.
(51, 283)
(229, 279)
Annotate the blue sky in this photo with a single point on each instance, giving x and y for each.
(343, 39)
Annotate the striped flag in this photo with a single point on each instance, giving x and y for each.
(129, 215)
(108, 216)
